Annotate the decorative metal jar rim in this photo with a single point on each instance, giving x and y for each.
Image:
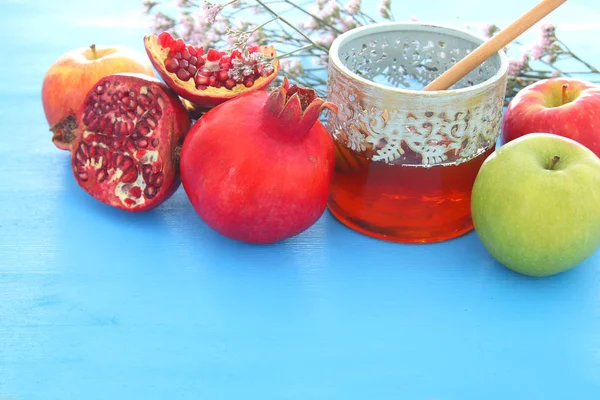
(402, 26)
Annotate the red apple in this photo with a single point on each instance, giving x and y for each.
(74, 73)
(567, 107)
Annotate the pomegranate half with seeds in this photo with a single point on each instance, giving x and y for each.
(212, 77)
(125, 139)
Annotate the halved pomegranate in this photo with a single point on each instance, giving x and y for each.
(124, 141)
(210, 78)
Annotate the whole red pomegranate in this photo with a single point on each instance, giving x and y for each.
(258, 168)
(208, 78)
(124, 141)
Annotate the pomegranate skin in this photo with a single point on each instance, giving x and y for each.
(253, 177)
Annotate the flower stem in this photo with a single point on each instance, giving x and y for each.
(591, 67)
(263, 24)
(306, 47)
(288, 23)
(321, 21)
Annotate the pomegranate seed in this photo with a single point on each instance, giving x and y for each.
(191, 50)
(184, 63)
(83, 176)
(193, 60)
(148, 124)
(155, 142)
(225, 59)
(144, 100)
(201, 87)
(104, 123)
(101, 175)
(179, 45)
(130, 176)
(136, 135)
(158, 179)
(150, 192)
(146, 171)
(130, 146)
(124, 162)
(201, 80)
(185, 54)
(229, 83)
(141, 143)
(87, 118)
(135, 192)
(200, 62)
(205, 71)
(165, 39)
(212, 80)
(184, 75)
(225, 65)
(222, 75)
(249, 82)
(80, 157)
(192, 70)
(213, 55)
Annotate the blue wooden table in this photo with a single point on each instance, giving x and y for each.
(98, 304)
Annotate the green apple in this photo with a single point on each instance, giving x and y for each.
(536, 204)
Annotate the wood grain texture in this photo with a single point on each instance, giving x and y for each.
(98, 304)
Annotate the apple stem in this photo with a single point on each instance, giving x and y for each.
(563, 94)
(93, 47)
(553, 163)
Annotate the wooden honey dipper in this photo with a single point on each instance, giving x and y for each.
(493, 45)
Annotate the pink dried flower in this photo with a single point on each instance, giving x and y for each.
(385, 8)
(310, 24)
(325, 39)
(162, 23)
(536, 51)
(210, 10)
(347, 23)
(489, 30)
(547, 34)
(330, 12)
(353, 7)
(148, 6)
(292, 66)
(515, 66)
(543, 46)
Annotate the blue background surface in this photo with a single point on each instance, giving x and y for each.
(100, 304)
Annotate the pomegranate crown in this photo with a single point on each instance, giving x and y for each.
(297, 107)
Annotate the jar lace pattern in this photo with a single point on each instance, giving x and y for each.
(428, 133)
